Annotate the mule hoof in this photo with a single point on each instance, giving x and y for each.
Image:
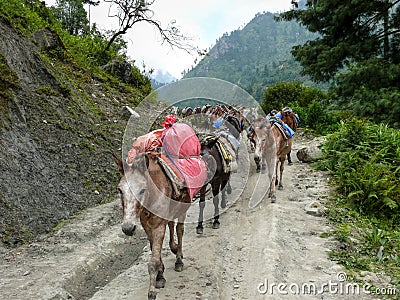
(151, 296)
(160, 282)
(229, 189)
(179, 266)
(290, 163)
(215, 225)
(174, 249)
(280, 187)
(257, 170)
(199, 230)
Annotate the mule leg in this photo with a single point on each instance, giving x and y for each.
(225, 183)
(228, 187)
(282, 166)
(160, 279)
(289, 158)
(202, 204)
(180, 228)
(155, 263)
(276, 171)
(172, 245)
(257, 161)
(149, 234)
(215, 190)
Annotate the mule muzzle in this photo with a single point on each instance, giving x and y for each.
(128, 229)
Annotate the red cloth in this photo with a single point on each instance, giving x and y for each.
(144, 143)
(183, 147)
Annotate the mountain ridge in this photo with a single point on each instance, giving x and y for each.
(256, 55)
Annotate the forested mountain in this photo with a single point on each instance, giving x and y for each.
(256, 56)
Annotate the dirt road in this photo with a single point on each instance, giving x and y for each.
(271, 251)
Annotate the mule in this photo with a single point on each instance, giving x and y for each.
(144, 189)
(266, 133)
(283, 147)
(292, 120)
(265, 152)
(219, 181)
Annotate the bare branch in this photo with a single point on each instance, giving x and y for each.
(130, 12)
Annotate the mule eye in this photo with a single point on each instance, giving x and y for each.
(142, 191)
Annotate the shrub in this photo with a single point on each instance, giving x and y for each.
(365, 161)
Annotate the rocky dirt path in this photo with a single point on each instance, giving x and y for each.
(273, 251)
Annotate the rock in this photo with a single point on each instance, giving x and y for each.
(47, 39)
(315, 208)
(309, 154)
(127, 112)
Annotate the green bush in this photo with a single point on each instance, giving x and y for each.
(27, 16)
(309, 103)
(365, 160)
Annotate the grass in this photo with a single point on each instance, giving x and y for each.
(366, 244)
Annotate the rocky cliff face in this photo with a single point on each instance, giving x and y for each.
(57, 131)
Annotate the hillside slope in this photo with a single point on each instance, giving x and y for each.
(58, 126)
(256, 56)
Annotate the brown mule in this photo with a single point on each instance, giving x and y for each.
(265, 152)
(147, 195)
(289, 117)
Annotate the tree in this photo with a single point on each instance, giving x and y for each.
(131, 12)
(351, 31)
(357, 51)
(72, 15)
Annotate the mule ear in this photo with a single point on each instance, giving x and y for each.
(119, 163)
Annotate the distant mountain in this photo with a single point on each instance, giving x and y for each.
(256, 56)
(161, 78)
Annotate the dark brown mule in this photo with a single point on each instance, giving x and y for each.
(289, 117)
(219, 180)
(147, 195)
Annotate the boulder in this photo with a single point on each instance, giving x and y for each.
(47, 39)
(309, 154)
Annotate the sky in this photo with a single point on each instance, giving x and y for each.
(205, 21)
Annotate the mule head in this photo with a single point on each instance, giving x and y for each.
(288, 117)
(207, 144)
(233, 125)
(133, 191)
(261, 130)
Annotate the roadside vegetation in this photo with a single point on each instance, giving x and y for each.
(359, 114)
(364, 160)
